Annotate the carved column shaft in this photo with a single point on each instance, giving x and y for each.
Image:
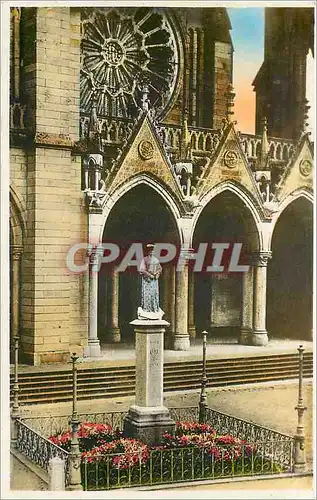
(181, 338)
(93, 348)
(114, 331)
(169, 297)
(259, 335)
(191, 308)
(247, 306)
(16, 253)
(97, 178)
(16, 18)
(194, 77)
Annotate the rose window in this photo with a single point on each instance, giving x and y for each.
(126, 52)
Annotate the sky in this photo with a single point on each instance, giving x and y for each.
(248, 41)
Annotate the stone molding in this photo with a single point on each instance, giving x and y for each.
(260, 259)
(16, 251)
(43, 139)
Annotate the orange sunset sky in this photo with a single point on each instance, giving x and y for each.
(247, 35)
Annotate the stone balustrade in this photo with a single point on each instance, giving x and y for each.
(113, 131)
(117, 130)
(280, 149)
(203, 140)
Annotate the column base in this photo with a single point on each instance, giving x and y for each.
(92, 350)
(181, 343)
(259, 338)
(148, 423)
(113, 334)
(192, 331)
(299, 453)
(245, 336)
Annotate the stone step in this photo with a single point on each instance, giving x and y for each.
(183, 365)
(66, 396)
(169, 375)
(108, 382)
(102, 373)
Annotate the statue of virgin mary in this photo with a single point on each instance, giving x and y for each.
(150, 271)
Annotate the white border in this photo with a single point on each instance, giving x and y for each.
(4, 235)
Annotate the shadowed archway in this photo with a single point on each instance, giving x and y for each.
(141, 215)
(218, 296)
(290, 273)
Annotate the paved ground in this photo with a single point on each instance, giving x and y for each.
(124, 353)
(23, 479)
(262, 488)
(269, 404)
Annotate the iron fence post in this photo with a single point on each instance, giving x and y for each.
(203, 400)
(15, 411)
(75, 456)
(299, 438)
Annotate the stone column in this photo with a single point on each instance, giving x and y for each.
(247, 307)
(93, 348)
(259, 333)
(181, 338)
(168, 302)
(16, 253)
(165, 277)
(191, 303)
(148, 418)
(170, 312)
(114, 330)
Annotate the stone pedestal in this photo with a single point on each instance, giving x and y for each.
(148, 419)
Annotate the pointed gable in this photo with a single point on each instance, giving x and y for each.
(229, 164)
(144, 155)
(299, 171)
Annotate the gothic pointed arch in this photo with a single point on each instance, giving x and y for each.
(246, 201)
(17, 219)
(155, 185)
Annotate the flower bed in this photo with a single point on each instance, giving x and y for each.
(196, 451)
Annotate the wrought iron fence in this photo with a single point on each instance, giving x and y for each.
(38, 449)
(50, 425)
(186, 413)
(272, 447)
(180, 465)
(252, 433)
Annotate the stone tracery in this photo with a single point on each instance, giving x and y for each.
(121, 52)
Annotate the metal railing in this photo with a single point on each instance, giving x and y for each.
(38, 449)
(180, 465)
(50, 425)
(274, 450)
(252, 433)
(221, 422)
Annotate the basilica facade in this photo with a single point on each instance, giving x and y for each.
(121, 131)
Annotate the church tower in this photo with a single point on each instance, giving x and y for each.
(280, 84)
